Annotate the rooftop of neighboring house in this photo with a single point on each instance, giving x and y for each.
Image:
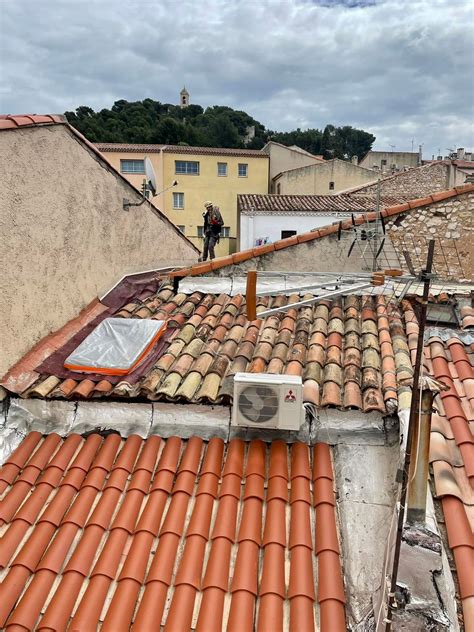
(457, 162)
(209, 340)
(179, 149)
(420, 181)
(381, 152)
(276, 203)
(139, 148)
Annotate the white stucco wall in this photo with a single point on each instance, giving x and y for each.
(65, 236)
(261, 226)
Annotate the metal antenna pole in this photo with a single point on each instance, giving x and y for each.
(425, 276)
(377, 221)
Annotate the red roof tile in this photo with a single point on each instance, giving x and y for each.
(13, 121)
(452, 450)
(103, 570)
(308, 204)
(344, 353)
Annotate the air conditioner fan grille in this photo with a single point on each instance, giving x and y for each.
(258, 404)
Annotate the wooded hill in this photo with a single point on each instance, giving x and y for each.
(150, 121)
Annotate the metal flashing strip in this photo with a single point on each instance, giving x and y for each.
(137, 274)
(445, 333)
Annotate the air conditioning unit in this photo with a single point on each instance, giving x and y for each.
(268, 401)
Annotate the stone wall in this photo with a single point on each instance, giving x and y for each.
(411, 184)
(450, 223)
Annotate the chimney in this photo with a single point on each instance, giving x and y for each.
(420, 155)
(355, 160)
(460, 153)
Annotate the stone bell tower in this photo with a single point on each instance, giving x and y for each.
(184, 98)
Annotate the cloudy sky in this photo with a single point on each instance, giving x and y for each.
(401, 69)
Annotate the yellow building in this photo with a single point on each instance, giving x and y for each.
(203, 173)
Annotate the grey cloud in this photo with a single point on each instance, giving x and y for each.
(401, 69)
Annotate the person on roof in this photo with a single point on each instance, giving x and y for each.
(213, 223)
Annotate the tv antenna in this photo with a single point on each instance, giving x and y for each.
(368, 234)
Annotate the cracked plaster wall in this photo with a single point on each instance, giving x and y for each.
(65, 236)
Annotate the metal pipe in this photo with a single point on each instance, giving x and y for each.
(425, 276)
(330, 282)
(314, 299)
(416, 507)
(250, 295)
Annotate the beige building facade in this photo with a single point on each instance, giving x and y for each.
(66, 237)
(389, 161)
(326, 177)
(283, 158)
(202, 173)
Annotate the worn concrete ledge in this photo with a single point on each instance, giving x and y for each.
(167, 419)
(186, 420)
(353, 427)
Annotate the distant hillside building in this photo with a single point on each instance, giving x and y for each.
(184, 98)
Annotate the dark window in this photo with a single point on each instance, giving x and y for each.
(383, 162)
(287, 233)
(278, 188)
(331, 186)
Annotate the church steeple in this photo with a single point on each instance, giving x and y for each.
(184, 98)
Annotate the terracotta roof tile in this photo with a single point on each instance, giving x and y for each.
(11, 121)
(98, 570)
(351, 353)
(452, 455)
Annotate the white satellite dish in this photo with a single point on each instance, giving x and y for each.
(150, 177)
